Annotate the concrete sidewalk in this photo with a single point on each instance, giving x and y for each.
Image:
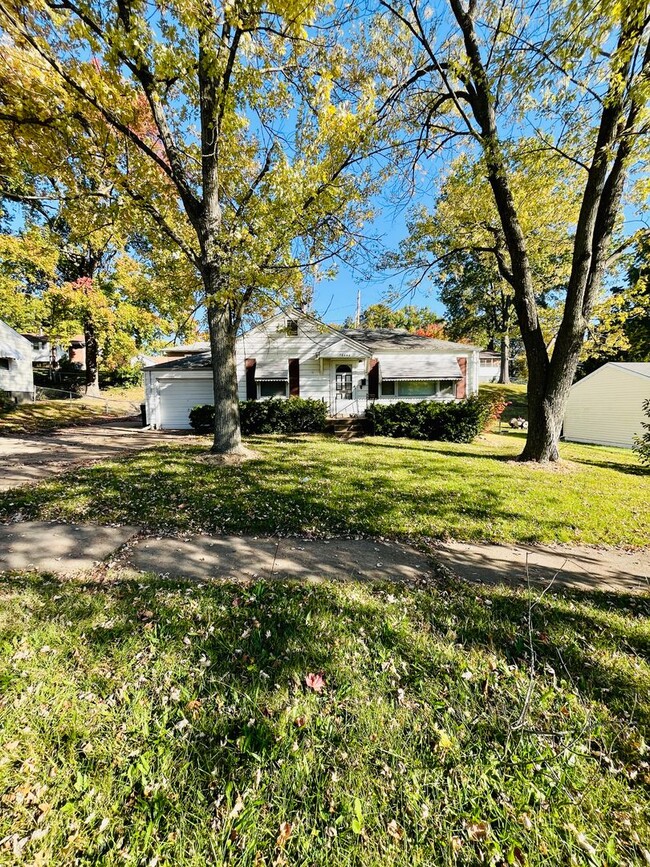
(60, 548)
(69, 549)
(577, 566)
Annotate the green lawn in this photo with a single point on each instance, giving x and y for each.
(375, 486)
(163, 723)
(46, 415)
(516, 396)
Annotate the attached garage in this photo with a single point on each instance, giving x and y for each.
(606, 407)
(173, 388)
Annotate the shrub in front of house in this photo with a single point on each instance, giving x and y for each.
(458, 422)
(296, 415)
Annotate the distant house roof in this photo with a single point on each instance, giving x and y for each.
(399, 339)
(488, 353)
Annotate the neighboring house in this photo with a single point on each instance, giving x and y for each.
(606, 407)
(43, 353)
(296, 355)
(16, 375)
(489, 366)
(77, 351)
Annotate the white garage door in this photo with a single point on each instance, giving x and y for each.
(177, 397)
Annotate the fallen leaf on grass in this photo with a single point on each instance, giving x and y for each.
(236, 810)
(284, 834)
(394, 830)
(478, 830)
(315, 682)
(300, 722)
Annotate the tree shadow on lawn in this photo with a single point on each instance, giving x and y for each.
(247, 701)
(165, 491)
(255, 635)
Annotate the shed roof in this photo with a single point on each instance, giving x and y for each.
(640, 367)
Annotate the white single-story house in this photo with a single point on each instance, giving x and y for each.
(606, 407)
(16, 375)
(293, 354)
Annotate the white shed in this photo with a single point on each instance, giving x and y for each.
(16, 375)
(606, 407)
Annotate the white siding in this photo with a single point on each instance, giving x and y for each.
(606, 407)
(18, 380)
(168, 404)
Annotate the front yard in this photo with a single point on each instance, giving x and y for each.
(375, 486)
(46, 415)
(164, 723)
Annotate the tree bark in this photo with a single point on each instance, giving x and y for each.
(92, 360)
(223, 335)
(550, 378)
(504, 372)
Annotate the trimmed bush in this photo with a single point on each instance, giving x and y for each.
(457, 422)
(295, 415)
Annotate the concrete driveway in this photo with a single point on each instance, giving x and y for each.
(34, 457)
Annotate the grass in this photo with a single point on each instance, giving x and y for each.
(47, 415)
(165, 723)
(514, 393)
(376, 487)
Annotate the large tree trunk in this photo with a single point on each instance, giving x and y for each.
(504, 372)
(92, 360)
(223, 335)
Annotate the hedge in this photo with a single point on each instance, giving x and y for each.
(295, 415)
(457, 422)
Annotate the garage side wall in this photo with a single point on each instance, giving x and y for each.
(607, 408)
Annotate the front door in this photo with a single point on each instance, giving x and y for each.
(343, 382)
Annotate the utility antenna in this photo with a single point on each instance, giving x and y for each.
(357, 315)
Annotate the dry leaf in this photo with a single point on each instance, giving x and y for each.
(394, 830)
(300, 722)
(284, 834)
(478, 830)
(236, 810)
(316, 682)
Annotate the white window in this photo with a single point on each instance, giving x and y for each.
(421, 388)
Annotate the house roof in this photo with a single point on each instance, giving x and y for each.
(196, 361)
(401, 340)
(187, 348)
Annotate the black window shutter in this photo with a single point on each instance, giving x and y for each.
(373, 378)
(294, 377)
(251, 386)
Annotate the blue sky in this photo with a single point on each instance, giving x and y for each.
(336, 299)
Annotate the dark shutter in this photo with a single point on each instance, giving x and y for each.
(373, 378)
(294, 377)
(251, 387)
(461, 386)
